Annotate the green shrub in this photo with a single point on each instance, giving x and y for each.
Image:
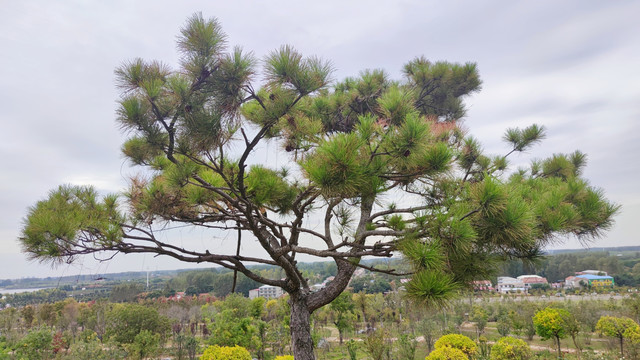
(376, 344)
(4, 351)
(407, 346)
(36, 344)
(508, 348)
(460, 342)
(352, 349)
(144, 344)
(126, 321)
(284, 357)
(447, 353)
(88, 346)
(216, 352)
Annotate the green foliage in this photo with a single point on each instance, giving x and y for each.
(352, 349)
(228, 329)
(632, 333)
(139, 150)
(36, 344)
(633, 304)
(344, 308)
(125, 292)
(225, 353)
(479, 317)
(407, 346)
(185, 346)
(370, 284)
(429, 330)
(440, 86)
(4, 351)
(28, 314)
(618, 327)
(508, 348)
(615, 326)
(70, 215)
(126, 321)
(257, 307)
(503, 326)
(144, 344)
(233, 322)
(549, 323)
(484, 347)
(522, 139)
(377, 345)
(88, 346)
(423, 255)
(268, 188)
(436, 289)
(340, 168)
(447, 353)
(287, 67)
(217, 281)
(460, 342)
(284, 357)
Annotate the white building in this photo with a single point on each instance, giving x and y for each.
(266, 291)
(531, 280)
(508, 284)
(254, 293)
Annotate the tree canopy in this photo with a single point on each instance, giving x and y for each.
(618, 327)
(551, 323)
(376, 166)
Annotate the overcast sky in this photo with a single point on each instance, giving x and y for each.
(571, 66)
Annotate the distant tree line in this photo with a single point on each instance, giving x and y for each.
(220, 281)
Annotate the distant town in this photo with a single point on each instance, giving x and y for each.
(524, 283)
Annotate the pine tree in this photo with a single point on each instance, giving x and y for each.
(382, 164)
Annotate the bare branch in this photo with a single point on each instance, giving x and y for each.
(385, 271)
(397, 211)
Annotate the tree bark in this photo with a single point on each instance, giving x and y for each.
(578, 348)
(303, 303)
(300, 326)
(621, 348)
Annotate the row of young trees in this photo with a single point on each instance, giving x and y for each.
(183, 329)
(71, 330)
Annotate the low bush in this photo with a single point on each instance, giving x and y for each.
(508, 348)
(216, 352)
(460, 342)
(447, 353)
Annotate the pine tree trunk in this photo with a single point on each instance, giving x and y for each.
(303, 303)
(300, 326)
